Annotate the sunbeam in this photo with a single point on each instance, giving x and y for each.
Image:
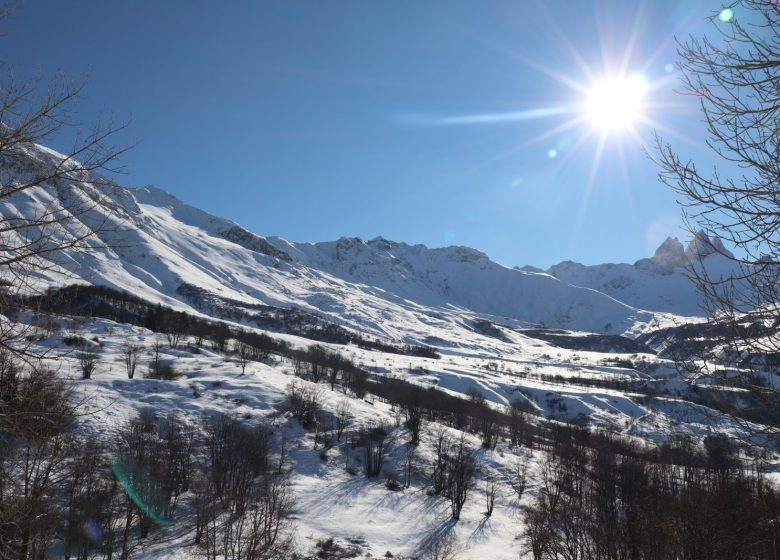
(583, 207)
(486, 118)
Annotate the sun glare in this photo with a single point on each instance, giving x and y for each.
(608, 109)
(617, 103)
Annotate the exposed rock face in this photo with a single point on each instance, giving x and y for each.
(703, 246)
(249, 240)
(658, 283)
(670, 254)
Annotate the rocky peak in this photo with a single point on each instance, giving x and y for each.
(670, 254)
(702, 246)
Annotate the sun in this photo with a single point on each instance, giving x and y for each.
(616, 104)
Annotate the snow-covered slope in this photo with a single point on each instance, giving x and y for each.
(154, 245)
(464, 278)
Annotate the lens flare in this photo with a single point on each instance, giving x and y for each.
(93, 531)
(141, 487)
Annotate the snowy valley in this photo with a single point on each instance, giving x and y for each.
(370, 334)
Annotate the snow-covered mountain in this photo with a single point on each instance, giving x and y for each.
(660, 283)
(154, 245)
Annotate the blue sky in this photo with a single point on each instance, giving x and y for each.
(315, 120)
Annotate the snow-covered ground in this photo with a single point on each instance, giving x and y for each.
(354, 510)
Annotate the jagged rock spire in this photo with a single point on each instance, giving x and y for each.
(670, 254)
(702, 246)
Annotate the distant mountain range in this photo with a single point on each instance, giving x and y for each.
(153, 245)
(659, 283)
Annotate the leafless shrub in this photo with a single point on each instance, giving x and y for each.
(305, 399)
(164, 372)
(441, 548)
(87, 360)
(343, 417)
(130, 352)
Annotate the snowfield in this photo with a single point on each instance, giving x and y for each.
(362, 513)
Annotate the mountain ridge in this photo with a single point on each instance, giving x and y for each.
(661, 282)
(158, 243)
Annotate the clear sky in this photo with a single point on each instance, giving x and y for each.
(406, 118)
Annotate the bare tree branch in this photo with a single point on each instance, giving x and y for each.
(736, 78)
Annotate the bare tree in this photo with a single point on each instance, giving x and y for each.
(343, 417)
(490, 495)
(734, 75)
(37, 413)
(130, 352)
(173, 337)
(537, 534)
(414, 420)
(88, 494)
(261, 531)
(238, 454)
(253, 521)
(373, 436)
(243, 355)
(441, 444)
(67, 212)
(305, 401)
(408, 463)
(204, 503)
(461, 475)
(517, 423)
(155, 364)
(520, 474)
